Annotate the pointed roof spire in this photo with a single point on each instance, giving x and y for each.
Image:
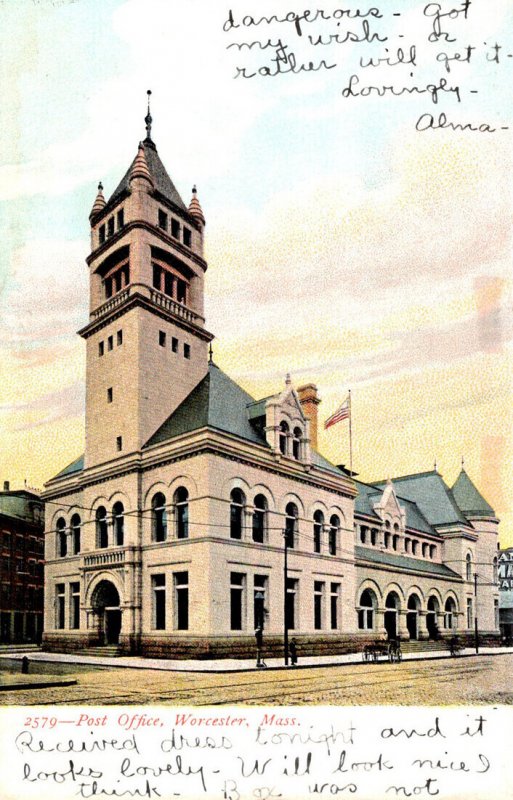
(99, 203)
(287, 379)
(140, 166)
(469, 499)
(148, 119)
(210, 354)
(195, 209)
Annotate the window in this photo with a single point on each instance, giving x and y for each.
(110, 343)
(334, 606)
(291, 518)
(116, 280)
(168, 283)
(101, 348)
(296, 443)
(186, 237)
(395, 542)
(186, 350)
(181, 291)
(237, 590)
(432, 551)
(259, 599)
(7, 541)
(470, 615)
(102, 533)
(181, 583)
(414, 546)
(157, 277)
(317, 530)
(119, 337)
(319, 590)
(74, 605)
(158, 585)
(259, 518)
(366, 611)
(62, 538)
(407, 545)
(181, 504)
(495, 570)
(119, 443)
(363, 534)
(119, 523)
(469, 567)
(496, 612)
(162, 220)
(75, 533)
(237, 502)
(109, 394)
(174, 344)
(162, 338)
(110, 227)
(101, 233)
(121, 218)
(159, 517)
(373, 537)
(175, 228)
(450, 608)
(386, 539)
(291, 603)
(333, 534)
(284, 432)
(425, 550)
(60, 600)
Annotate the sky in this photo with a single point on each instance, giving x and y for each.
(345, 246)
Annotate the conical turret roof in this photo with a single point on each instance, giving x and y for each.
(469, 500)
(140, 166)
(195, 209)
(100, 202)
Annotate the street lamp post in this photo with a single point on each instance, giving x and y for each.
(476, 627)
(285, 616)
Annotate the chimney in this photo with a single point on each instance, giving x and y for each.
(309, 401)
(7, 486)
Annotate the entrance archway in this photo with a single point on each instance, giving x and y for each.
(106, 606)
(412, 616)
(391, 611)
(433, 609)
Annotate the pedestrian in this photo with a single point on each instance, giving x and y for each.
(293, 652)
(259, 637)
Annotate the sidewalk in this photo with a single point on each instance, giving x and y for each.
(233, 665)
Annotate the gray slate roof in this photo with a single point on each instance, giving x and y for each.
(471, 502)
(75, 466)
(404, 562)
(432, 497)
(161, 179)
(369, 494)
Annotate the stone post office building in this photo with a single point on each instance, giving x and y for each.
(168, 536)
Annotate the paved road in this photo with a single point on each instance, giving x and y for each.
(481, 679)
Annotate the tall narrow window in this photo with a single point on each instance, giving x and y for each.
(60, 600)
(363, 533)
(110, 343)
(119, 523)
(101, 233)
(174, 344)
(181, 291)
(366, 611)
(291, 603)
(319, 589)
(102, 533)
(395, 542)
(284, 433)
(237, 502)
(175, 228)
(333, 535)
(159, 517)
(110, 227)
(75, 533)
(181, 584)
(496, 612)
(470, 615)
(296, 443)
(158, 586)
(186, 350)
(259, 518)
(259, 600)
(119, 337)
(317, 530)
(495, 570)
(425, 549)
(110, 395)
(157, 277)
(121, 219)
(450, 608)
(237, 589)
(181, 504)
(162, 219)
(101, 348)
(374, 537)
(469, 567)
(74, 605)
(168, 283)
(334, 606)
(291, 519)
(62, 537)
(162, 338)
(119, 443)
(186, 237)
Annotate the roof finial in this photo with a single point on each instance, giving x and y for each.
(462, 462)
(210, 354)
(148, 118)
(435, 466)
(287, 379)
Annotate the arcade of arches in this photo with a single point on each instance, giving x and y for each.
(411, 619)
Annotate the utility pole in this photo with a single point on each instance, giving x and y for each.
(285, 618)
(476, 629)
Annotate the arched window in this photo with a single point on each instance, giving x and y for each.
(388, 535)
(181, 503)
(432, 551)
(102, 533)
(414, 546)
(119, 523)
(395, 542)
(259, 518)
(284, 433)
(425, 550)
(75, 533)
(333, 535)
(366, 610)
(469, 567)
(374, 536)
(159, 517)
(495, 570)
(291, 518)
(407, 545)
(237, 502)
(62, 539)
(296, 443)
(317, 530)
(450, 608)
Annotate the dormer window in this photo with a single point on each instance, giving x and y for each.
(284, 433)
(296, 443)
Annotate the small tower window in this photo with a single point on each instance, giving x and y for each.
(119, 442)
(296, 444)
(186, 350)
(121, 218)
(110, 343)
(120, 337)
(101, 234)
(110, 227)
(157, 277)
(101, 348)
(162, 220)
(168, 284)
(181, 291)
(174, 344)
(162, 338)
(186, 237)
(175, 228)
(109, 394)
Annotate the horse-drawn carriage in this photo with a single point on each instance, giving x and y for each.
(391, 650)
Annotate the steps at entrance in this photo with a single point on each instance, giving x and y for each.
(20, 648)
(104, 651)
(415, 646)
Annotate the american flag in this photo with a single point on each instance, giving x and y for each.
(342, 412)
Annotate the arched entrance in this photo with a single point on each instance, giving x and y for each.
(433, 609)
(391, 611)
(106, 607)
(412, 616)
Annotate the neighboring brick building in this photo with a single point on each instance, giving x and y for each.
(505, 576)
(168, 536)
(21, 565)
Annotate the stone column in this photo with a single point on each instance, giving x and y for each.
(402, 627)
(422, 630)
(380, 621)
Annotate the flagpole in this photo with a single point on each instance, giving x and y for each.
(350, 436)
